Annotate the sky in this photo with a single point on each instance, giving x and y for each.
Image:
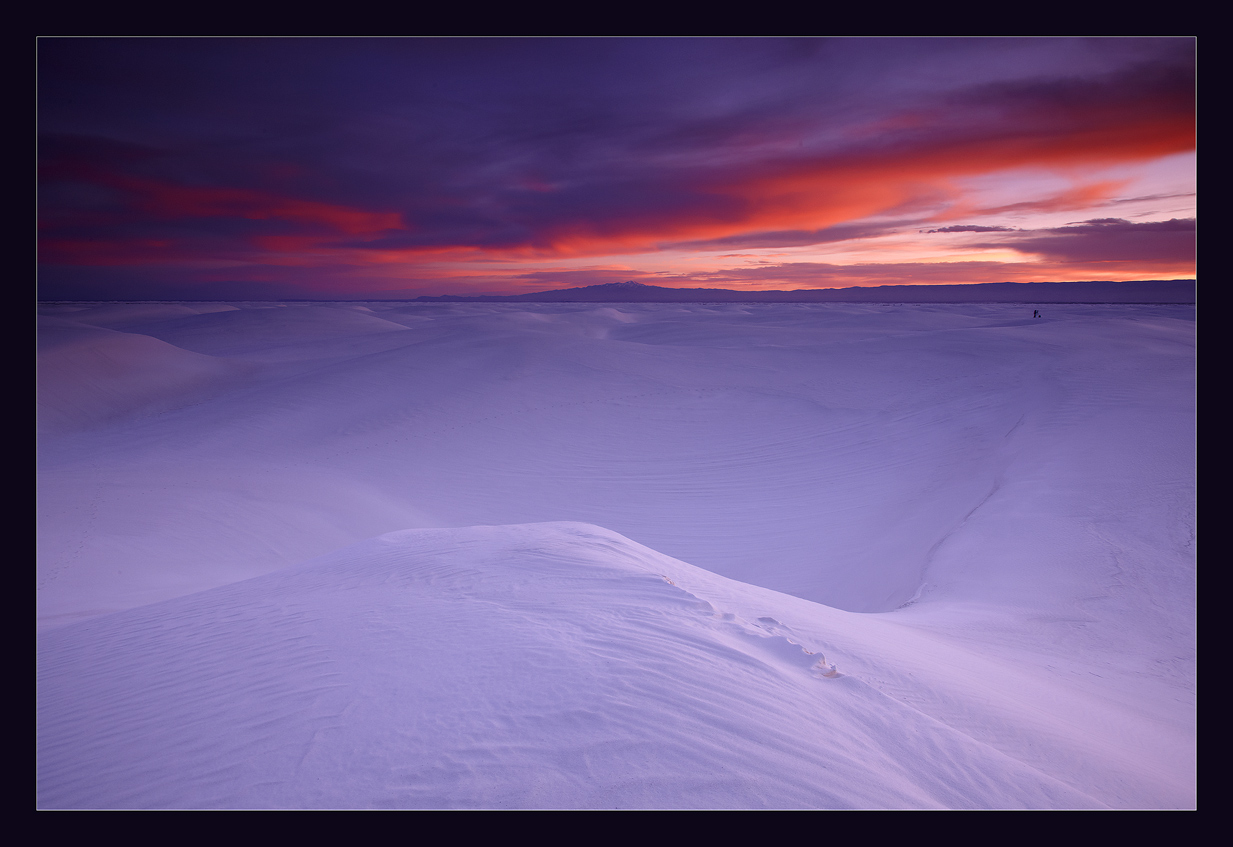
(385, 168)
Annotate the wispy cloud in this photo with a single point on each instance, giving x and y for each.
(1110, 241)
(972, 228)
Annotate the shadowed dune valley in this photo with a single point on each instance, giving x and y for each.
(537, 555)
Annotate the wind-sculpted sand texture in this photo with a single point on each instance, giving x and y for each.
(434, 555)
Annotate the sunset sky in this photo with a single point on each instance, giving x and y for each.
(387, 168)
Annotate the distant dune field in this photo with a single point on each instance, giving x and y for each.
(588, 555)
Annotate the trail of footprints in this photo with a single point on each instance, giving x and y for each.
(769, 628)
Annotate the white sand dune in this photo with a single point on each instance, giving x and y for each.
(90, 375)
(984, 521)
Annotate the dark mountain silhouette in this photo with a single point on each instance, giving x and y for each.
(1138, 291)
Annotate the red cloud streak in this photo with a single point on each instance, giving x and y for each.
(812, 195)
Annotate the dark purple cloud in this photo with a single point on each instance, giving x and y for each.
(1110, 240)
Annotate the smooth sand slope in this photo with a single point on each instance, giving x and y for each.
(392, 555)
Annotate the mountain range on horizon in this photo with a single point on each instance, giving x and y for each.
(1097, 291)
(1144, 291)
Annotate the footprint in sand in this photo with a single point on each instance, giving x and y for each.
(827, 670)
(776, 629)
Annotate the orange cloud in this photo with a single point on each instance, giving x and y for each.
(1079, 197)
(813, 194)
